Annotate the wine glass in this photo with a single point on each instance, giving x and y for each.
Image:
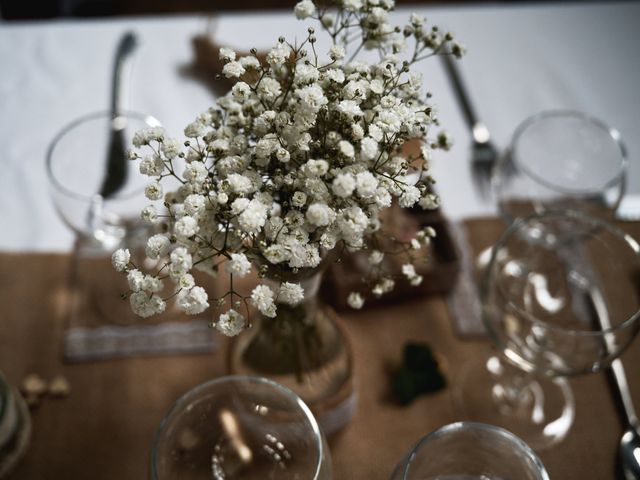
(561, 159)
(561, 297)
(77, 167)
(240, 428)
(470, 451)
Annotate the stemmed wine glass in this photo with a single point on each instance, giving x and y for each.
(77, 166)
(561, 297)
(240, 428)
(470, 451)
(561, 159)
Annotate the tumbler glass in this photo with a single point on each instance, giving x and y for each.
(470, 451)
(240, 428)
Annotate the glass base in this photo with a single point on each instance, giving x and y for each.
(540, 410)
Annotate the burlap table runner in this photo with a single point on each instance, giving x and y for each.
(104, 429)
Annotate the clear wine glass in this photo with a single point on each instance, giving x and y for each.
(77, 166)
(240, 428)
(561, 297)
(561, 159)
(470, 451)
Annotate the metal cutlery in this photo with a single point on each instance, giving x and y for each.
(484, 155)
(116, 169)
(629, 449)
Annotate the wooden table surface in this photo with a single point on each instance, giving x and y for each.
(103, 430)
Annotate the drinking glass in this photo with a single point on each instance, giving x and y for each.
(561, 159)
(470, 451)
(561, 297)
(240, 428)
(77, 166)
(15, 427)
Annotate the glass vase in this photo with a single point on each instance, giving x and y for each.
(303, 348)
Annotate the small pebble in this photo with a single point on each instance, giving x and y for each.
(33, 385)
(59, 387)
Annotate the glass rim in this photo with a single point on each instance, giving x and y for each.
(614, 134)
(574, 214)
(476, 426)
(150, 120)
(5, 393)
(185, 397)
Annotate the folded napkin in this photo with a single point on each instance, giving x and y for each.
(101, 325)
(472, 237)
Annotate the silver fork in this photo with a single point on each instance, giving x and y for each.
(484, 154)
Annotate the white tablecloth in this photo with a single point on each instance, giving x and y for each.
(521, 60)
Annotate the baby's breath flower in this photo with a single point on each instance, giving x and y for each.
(290, 293)
(231, 323)
(344, 185)
(239, 265)
(194, 204)
(186, 281)
(278, 55)
(283, 155)
(352, 5)
(194, 129)
(350, 108)
(336, 52)
(149, 214)
(408, 270)
(195, 173)
(145, 305)
(157, 246)
(384, 286)
(180, 262)
(171, 148)
(120, 259)
(262, 298)
(304, 9)
(151, 166)
(153, 191)
(250, 63)
(193, 301)
(227, 54)
(346, 149)
(299, 199)
(368, 148)
(151, 283)
(366, 184)
(355, 300)
(233, 70)
(222, 198)
(429, 202)
(320, 214)
(376, 257)
(186, 227)
(409, 196)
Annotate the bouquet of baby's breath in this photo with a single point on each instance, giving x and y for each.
(298, 159)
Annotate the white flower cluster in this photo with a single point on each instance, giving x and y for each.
(301, 155)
